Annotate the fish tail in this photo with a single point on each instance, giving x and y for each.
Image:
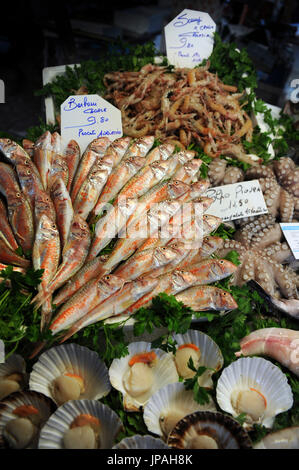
(37, 349)
(46, 314)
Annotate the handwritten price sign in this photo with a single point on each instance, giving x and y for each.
(189, 38)
(235, 201)
(87, 117)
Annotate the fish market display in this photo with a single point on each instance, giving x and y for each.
(180, 107)
(63, 209)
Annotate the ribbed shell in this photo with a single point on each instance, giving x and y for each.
(229, 433)
(73, 359)
(265, 377)
(171, 397)
(141, 442)
(51, 436)
(210, 357)
(164, 372)
(45, 406)
(15, 363)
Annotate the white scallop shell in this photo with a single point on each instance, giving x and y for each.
(265, 377)
(73, 359)
(171, 397)
(210, 357)
(164, 373)
(141, 442)
(227, 432)
(13, 401)
(51, 436)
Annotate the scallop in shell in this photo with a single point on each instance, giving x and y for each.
(13, 377)
(254, 386)
(70, 372)
(80, 424)
(22, 415)
(141, 373)
(141, 442)
(168, 406)
(209, 430)
(204, 352)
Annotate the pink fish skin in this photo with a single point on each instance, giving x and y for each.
(73, 257)
(281, 344)
(63, 208)
(42, 157)
(72, 158)
(86, 299)
(6, 232)
(95, 150)
(89, 270)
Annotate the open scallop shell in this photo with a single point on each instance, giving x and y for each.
(13, 375)
(141, 442)
(72, 359)
(209, 430)
(164, 372)
(52, 434)
(210, 356)
(263, 378)
(169, 405)
(43, 404)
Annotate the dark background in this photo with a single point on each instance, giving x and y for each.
(38, 34)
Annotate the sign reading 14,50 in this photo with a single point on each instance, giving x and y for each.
(87, 117)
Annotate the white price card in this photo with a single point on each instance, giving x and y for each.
(2, 352)
(291, 234)
(87, 117)
(189, 38)
(236, 201)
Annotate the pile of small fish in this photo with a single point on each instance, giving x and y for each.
(63, 210)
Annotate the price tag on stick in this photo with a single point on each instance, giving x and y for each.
(236, 201)
(87, 117)
(189, 38)
(2, 352)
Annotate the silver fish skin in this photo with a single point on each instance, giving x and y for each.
(11, 149)
(91, 189)
(146, 261)
(140, 147)
(117, 303)
(110, 224)
(42, 157)
(73, 257)
(59, 169)
(160, 153)
(87, 298)
(63, 208)
(118, 148)
(95, 150)
(202, 298)
(72, 157)
(89, 270)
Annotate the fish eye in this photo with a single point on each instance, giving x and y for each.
(221, 261)
(28, 172)
(18, 194)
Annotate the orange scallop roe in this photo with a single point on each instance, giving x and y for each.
(189, 345)
(146, 358)
(264, 398)
(83, 420)
(74, 376)
(25, 410)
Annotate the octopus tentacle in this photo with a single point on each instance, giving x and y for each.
(278, 251)
(216, 172)
(286, 206)
(233, 174)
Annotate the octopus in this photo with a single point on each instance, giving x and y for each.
(262, 254)
(279, 183)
